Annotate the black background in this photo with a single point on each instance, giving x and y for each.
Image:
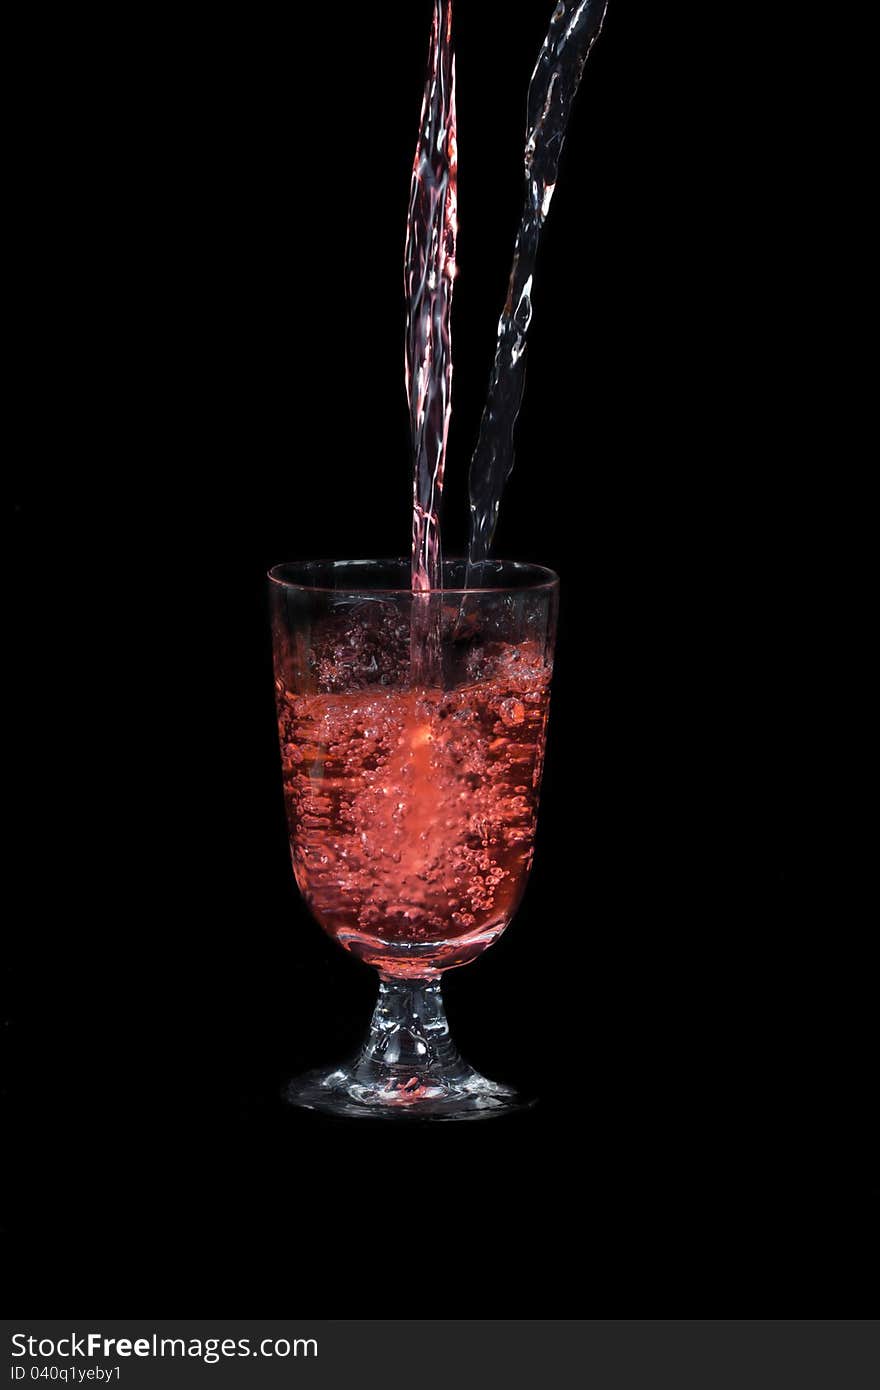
(210, 375)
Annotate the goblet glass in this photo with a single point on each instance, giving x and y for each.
(412, 731)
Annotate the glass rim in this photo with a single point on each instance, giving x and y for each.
(548, 579)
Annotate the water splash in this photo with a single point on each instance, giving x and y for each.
(429, 274)
(573, 30)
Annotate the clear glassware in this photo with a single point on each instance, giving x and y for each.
(412, 794)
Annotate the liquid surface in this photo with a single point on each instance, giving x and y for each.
(412, 811)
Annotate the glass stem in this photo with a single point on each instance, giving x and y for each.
(409, 1035)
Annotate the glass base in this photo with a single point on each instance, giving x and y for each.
(407, 1069)
(357, 1091)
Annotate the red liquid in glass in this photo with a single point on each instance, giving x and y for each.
(412, 812)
